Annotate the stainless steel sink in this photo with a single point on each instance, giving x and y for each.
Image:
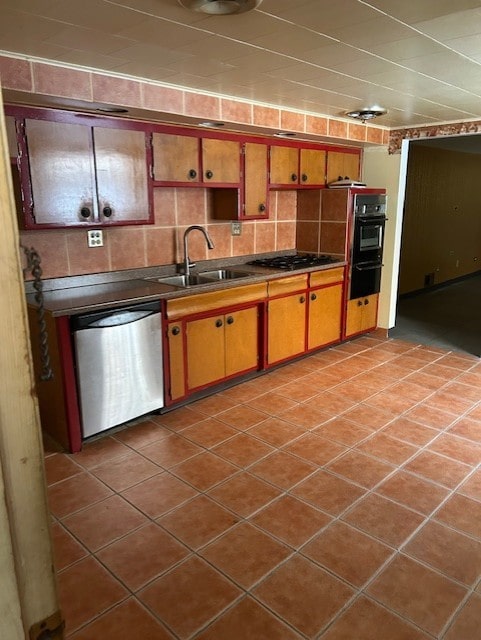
(224, 274)
(180, 280)
(195, 279)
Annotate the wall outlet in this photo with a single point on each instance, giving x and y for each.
(236, 228)
(95, 238)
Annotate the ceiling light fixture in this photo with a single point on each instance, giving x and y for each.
(220, 7)
(366, 114)
(212, 125)
(285, 134)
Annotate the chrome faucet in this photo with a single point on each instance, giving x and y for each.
(187, 263)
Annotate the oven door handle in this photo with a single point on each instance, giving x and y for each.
(368, 267)
(372, 218)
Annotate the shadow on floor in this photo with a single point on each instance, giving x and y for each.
(448, 317)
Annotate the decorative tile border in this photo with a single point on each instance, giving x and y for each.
(396, 136)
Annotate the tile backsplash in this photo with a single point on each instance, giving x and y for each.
(64, 252)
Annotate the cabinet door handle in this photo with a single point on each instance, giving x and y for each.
(209, 174)
(359, 303)
(304, 177)
(218, 323)
(230, 320)
(302, 299)
(313, 296)
(294, 177)
(107, 211)
(192, 174)
(262, 207)
(175, 331)
(85, 212)
(366, 301)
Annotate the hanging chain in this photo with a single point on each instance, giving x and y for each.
(33, 265)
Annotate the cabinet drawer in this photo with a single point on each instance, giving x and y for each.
(287, 285)
(201, 302)
(329, 276)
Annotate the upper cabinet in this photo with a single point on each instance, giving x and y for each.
(291, 166)
(176, 158)
(343, 164)
(189, 159)
(250, 202)
(221, 161)
(80, 175)
(255, 181)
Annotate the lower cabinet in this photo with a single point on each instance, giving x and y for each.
(361, 315)
(286, 318)
(308, 318)
(212, 337)
(221, 346)
(325, 307)
(325, 310)
(176, 367)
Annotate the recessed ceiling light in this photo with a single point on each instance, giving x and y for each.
(220, 7)
(211, 125)
(366, 114)
(285, 134)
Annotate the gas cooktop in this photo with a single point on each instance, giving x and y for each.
(290, 263)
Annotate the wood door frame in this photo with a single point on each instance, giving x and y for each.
(27, 579)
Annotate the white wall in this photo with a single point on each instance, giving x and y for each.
(381, 170)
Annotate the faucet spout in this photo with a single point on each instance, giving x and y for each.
(187, 263)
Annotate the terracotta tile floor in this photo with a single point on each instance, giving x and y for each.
(335, 498)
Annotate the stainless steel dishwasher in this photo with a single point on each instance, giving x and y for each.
(119, 365)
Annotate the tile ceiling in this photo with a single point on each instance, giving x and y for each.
(420, 59)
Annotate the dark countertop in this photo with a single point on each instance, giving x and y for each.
(88, 294)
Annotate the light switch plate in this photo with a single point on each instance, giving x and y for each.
(236, 228)
(95, 238)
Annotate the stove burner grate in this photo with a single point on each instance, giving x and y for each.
(290, 263)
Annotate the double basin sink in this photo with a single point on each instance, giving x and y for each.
(205, 277)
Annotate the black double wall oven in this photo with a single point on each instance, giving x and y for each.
(369, 218)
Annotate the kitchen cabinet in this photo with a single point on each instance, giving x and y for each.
(343, 164)
(221, 346)
(325, 308)
(286, 318)
(255, 181)
(296, 167)
(250, 202)
(221, 161)
(212, 337)
(176, 370)
(84, 175)
(185, 159)
(176, 158)
(361, 315)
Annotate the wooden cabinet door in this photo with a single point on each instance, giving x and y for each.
(361, 314)
(241, 341)
(341, 165)
(121, 170)
(325, 307)
(286, 331)
(176, 158)
(313, 166)
(175, 339)
(369, 312)
(205, 351)
(284, 165)
(354, 316)
(255, 181)
(221, 161)
(61, 173)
